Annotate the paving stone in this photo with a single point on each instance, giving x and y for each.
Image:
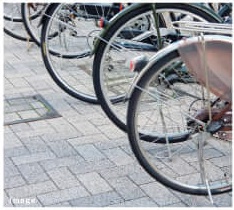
(99, 200)
(62, 204)
(11, 141)
(31, 190)
(118, 156)
(35, 132)
(60, 196)
(94, 183)
(37, 82)
(160, 194)
(111, 131)
(61, 125)
(221, 161)
(73, 117)
(33, 158)
(33, 173)
(63, 178)
(141, 178)
(7, 129)
(16, 152)
(13, 181)
(35, 144)
(126, 188)
(89, 139)
(139, 202)
(127, 148)
(9, 168)
(60, 136)
(62, 148)
(177, 205)
(91, 166)
(222, 200)
(181, 167)
(19, 82)
(86, 128)
(101, 121)
(40, 124)
(120, 171)
(111, 143)
(209, 153)
(72, 161)
(193, 200)
(89, 152)
(7, 201)
(83, 109)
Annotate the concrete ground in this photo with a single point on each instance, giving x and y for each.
(73, 156)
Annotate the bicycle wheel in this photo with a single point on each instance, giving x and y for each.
(13, 25)
(169, 101)
(111, 73)
(67, 40)
(31, 17)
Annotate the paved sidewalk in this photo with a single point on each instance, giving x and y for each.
(73, 156)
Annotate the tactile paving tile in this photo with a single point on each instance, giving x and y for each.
(27, 109)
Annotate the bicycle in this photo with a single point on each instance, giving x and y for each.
(181, 102)
(67, 37)
(119, 44)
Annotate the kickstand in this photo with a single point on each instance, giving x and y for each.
(29, 44)
(201, 143)
(209, 192)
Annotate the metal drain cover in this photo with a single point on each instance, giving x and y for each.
(27, 109)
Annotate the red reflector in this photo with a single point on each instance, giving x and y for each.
(120, 7)
(132, 65)
(101, 22)
(138, 63)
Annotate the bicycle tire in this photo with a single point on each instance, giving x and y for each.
(153, 157)
(108, 102)
(16, 36)
(31, 22)
(12, 12)
(13, 23)
(50, 54)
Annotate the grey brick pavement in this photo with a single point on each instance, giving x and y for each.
(79, 159)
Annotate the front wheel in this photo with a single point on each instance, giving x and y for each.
(67, 35)
(124, 42)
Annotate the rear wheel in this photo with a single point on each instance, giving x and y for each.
(167, 102)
